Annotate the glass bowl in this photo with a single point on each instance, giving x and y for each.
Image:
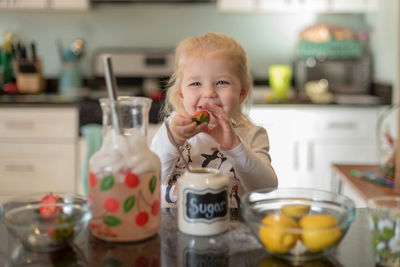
(298, 224)
(44, 223)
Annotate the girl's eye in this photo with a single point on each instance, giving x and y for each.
(195, 84)
(222, 82)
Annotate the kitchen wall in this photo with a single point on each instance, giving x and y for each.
(268, 38)
(385, 42)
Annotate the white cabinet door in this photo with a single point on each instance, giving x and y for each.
(70, 5)
(38, 149)
(45, 4)
(27, 4)
(37, 167)
(352, 6)
(284, 6)
(38, 123)
(282, 125)
(299, 6)
(236, 5)
(323, 155)
(306, 141)
(340, 135)
(353, 195)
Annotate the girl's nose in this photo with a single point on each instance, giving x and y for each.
(209, 92)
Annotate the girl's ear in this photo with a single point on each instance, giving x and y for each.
(180, 95)
(244, 92)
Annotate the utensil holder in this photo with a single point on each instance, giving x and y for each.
(70, 81)
(30, 82)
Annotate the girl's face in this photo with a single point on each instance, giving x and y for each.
(212, 78)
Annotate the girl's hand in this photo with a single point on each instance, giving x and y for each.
(183, 127)
(223, 132)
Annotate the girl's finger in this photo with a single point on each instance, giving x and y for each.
(207, 130)
(201, 127)
(187, 130)
(212, 107)
(216, 111)
(181, 120)
(224, 121)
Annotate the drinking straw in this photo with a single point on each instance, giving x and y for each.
(112, 94)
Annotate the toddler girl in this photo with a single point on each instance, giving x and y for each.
(211, 73)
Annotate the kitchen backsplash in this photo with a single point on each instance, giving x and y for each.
(268, 38)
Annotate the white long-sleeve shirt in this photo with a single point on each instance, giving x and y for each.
(248, 166)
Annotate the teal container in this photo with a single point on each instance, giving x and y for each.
(71, 78)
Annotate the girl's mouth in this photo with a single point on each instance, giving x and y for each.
(202, 107)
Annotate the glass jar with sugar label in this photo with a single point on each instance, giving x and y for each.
(203, 202)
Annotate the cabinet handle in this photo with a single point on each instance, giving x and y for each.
(19, 125)
(19, 168)
(310, 156)
(296, 155)
(338, 125)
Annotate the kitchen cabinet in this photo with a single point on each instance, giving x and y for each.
(361, 190)
(72, 5)
(306, 140)
(359, 202)
(38, 150)
(290, 6)
(281, 123)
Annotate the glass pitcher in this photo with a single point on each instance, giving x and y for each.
(124, 176)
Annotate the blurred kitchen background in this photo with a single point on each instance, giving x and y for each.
(349, 84)
(269, 34)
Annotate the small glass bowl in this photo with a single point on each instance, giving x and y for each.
(23, 218)
(298, 224)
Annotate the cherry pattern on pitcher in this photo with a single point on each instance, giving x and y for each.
(155, 207)
(112, 205)
(92, 179)
(131, 180)
(142, 218)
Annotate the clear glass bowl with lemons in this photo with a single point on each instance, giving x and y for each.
(298, 224)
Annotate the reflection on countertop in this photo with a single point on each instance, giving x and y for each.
(237, 247)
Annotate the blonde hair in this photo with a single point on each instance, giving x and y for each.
(210, 42)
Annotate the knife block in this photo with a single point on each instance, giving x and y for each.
(30, 82)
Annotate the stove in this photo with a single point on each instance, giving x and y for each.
(139, 72)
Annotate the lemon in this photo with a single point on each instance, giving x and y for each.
(319, 231)
(274, 233)
(295, 211)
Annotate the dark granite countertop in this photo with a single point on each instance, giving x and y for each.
(237, 247)
(93, 96)
(88, 106)
(39, 99)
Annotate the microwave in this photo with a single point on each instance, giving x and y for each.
(345, 76)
